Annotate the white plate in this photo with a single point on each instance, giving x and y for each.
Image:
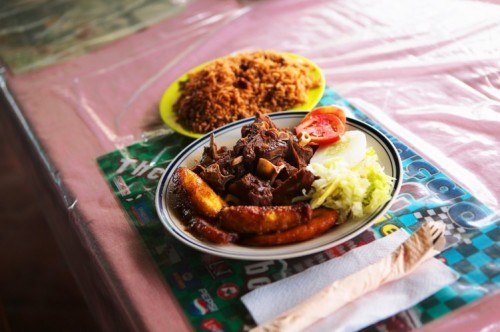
(228, 135)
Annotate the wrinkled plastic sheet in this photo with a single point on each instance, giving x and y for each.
(428, 72)
(431, 78)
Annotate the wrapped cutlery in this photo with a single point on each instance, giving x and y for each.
(396, 264)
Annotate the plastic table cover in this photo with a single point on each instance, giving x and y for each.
(427, 71)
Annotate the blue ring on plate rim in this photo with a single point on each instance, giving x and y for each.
(163, 185)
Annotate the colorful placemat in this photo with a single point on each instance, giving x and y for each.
(209, 288)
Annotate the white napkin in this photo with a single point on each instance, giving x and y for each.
(267, 302)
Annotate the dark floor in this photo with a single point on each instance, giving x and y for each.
(37, 290)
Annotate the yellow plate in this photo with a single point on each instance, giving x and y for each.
(172, 94)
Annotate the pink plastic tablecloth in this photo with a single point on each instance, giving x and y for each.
(427, 71)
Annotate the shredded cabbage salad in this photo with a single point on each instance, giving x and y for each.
(354, 190)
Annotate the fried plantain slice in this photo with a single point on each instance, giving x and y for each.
(205, 230)
(322, 220)
(196, 194)
(263, 219)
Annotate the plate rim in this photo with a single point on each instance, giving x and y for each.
(264, 254)
(166, 102)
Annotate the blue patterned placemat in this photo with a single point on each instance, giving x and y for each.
(209, 288)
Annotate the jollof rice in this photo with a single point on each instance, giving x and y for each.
(238, 86)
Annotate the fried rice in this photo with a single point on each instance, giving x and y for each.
(238, 86)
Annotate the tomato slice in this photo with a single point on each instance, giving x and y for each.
(324, 125)
(331, 109)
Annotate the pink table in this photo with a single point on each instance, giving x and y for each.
(428, 71)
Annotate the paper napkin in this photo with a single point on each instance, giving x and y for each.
(268, 302)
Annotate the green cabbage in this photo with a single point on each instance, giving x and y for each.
(353, 191)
